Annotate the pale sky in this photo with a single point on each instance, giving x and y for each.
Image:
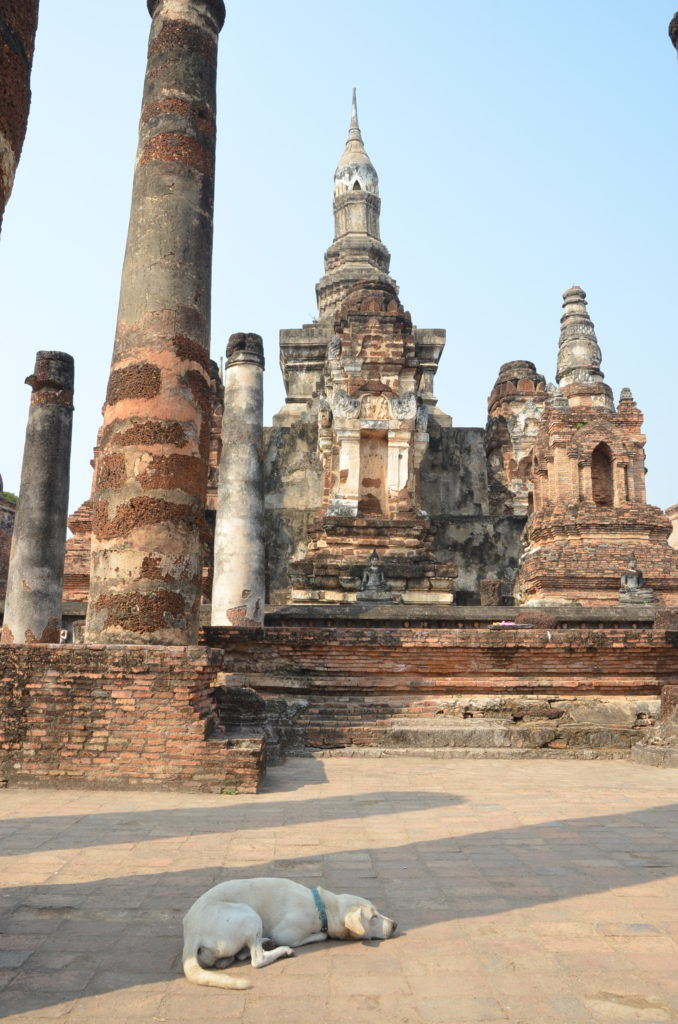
(521, 148)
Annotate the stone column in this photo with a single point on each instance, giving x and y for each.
(239, 588)
(347, 492)
(36, 563)
(18, 22)
(398, 480)
(149, 490)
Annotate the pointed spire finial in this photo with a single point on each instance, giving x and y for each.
(355, 171)
(579, 355)
(354, 127)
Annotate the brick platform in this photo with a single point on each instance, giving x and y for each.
(413, 661)
(119, 716)
(574, 690)
(156, 717)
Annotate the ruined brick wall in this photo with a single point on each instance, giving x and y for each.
(456, 495)
(344, 685)
(411, 661)
(117, 717)
(78, 554)
(18, 23)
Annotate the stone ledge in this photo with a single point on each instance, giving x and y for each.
(468, 753)
(478, 616)
(655, 756)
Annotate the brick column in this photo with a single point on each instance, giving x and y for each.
(149, 491)
(18, 22)
(36, 565)
(239, 588)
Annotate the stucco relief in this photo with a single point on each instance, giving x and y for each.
(343, 406)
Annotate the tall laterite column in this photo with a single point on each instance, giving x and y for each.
(238, 590)
(35, 577)
(149, 491)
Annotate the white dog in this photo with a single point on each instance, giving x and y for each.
(234, 917)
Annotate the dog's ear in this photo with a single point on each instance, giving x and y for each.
(354, 922)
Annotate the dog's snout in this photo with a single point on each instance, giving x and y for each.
(394, 925)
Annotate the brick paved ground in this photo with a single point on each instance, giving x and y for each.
(526, 892)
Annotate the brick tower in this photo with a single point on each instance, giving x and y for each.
(590, 516)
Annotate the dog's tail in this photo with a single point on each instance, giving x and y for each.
(216, 979)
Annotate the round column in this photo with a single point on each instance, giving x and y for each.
(238, 591)
(151, 475)
(36, 563)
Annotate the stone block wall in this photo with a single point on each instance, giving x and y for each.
(119, 716)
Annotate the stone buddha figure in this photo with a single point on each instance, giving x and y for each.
(373, 585)
(632, 578)
(633, 589)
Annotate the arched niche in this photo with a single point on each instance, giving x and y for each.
(602, 475)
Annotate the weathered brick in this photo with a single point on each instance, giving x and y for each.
(80, 732)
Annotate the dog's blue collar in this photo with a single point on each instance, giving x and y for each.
(321, 909)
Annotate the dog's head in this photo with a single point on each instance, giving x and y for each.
(362, 920)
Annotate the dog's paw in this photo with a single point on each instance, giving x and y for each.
(288, 951)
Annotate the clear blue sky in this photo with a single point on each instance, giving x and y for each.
(521, 148)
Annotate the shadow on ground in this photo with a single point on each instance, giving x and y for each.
(22, 835)
(83, 940)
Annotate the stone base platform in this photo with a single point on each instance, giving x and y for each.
(456, 682)
(657, 756)
(499, 737)
(474, 753)
(661, 748)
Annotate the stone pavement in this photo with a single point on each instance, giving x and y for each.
(525, 892)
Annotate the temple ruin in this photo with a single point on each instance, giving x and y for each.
(362, 573)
